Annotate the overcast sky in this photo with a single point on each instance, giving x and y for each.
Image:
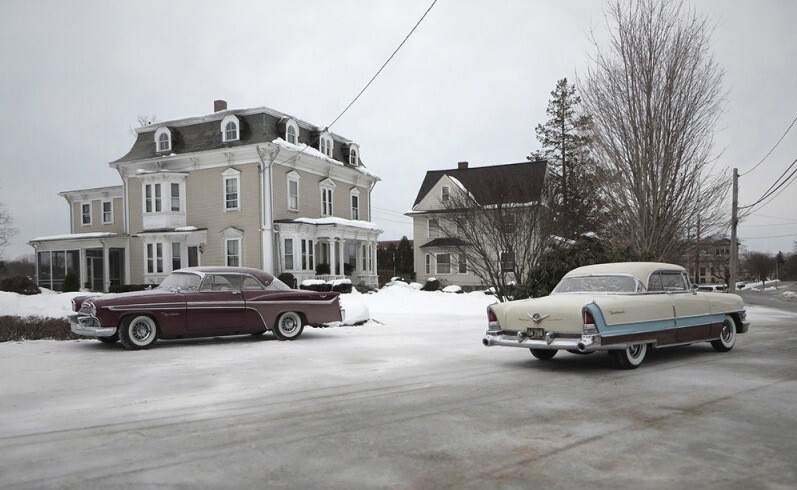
(471, 84)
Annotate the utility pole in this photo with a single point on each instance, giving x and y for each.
(732, 270)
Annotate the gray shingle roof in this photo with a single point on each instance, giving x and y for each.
(509, 183)
(259, 125)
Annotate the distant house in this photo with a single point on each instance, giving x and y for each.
(437, 244)
(710, 262)
(239, 187)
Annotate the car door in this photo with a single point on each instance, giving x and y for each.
(659, 309)
(218, 306)
(691, 309)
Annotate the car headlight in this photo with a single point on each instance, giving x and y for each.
(89, 308)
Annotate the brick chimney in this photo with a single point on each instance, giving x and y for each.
(462, 165)
(219, 105)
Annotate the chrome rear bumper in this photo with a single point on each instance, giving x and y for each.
(88, 326)
(586, 343)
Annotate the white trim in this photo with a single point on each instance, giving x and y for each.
(429, 227)
(238, 256)
(223, 127)
(326, 144)
(327, 207)
(354, 154)
(437, 263)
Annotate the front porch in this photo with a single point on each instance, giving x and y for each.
(328, 249)
(99, 260)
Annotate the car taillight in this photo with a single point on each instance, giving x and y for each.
(492, 320)
(589, 322)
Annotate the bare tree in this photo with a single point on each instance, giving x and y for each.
(7, 229)
(759, 265)
(655, 95)
(502, 239)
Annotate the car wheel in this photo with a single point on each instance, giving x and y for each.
(289, 326)
(727, 336)
(543, 354)
(109, 340)
(630, 357)
(138, 332)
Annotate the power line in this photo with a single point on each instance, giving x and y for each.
(772, 236)
(773, 217)
(384, 65)
(778, 184)
(773, 148)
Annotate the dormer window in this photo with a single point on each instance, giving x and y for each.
(163, 140)
(326, 144)
(230, 129)
(354, 155)
(292, 132)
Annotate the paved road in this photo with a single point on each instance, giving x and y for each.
(397, 406)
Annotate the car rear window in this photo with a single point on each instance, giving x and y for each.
(596, 284)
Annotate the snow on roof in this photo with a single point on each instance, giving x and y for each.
(338, 221)
(309, 150)
(74, 236)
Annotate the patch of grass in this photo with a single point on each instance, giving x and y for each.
(15, 328)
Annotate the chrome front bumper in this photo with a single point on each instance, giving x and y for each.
(88, 326)
(586, 343)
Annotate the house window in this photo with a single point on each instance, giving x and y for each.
(175, 197)
(293, 195)
(507, 262)
(434, 228)
(85, 213)
(443, 263)
(462, 264)
(152, 198)
(154, 258)
(291, 134)
(232, 252)
(308, 260)
(428, 260)
(445, 194)
(355, 206)
(326, 145)
(353, 156)
(107, 212)
(326, 201)
(164, 143)
(163, 139)
(231, 131)
(232, 185)
(177, 262)
(288, 252)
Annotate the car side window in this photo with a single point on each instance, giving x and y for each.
(251, 284)
(222, 282)
(654, 283)
(673, 281)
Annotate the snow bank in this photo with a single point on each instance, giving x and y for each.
(46, 304)
(452, 289)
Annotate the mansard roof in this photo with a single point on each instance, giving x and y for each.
(256, 125)
(508, 183)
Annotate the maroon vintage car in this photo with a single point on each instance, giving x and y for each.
(201, 302)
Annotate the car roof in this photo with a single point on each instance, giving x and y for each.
(264, 276)
(640, 270)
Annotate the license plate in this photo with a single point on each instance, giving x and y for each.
(535, 333)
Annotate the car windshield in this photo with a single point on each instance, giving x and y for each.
(596, 284)
(184, 281)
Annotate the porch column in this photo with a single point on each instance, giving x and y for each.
(332, 263)
(82, 268)
(106, 268)
(343, 257)
(372, 262)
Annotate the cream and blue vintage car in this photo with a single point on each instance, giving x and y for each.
(623, 308)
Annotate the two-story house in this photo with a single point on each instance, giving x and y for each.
(250, 187)
(438, 244)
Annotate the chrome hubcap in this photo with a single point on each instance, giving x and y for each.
(634, 351)
(727, 333)
(288, 324)
(141, 331)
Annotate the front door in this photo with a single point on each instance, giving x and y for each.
(94, 270)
